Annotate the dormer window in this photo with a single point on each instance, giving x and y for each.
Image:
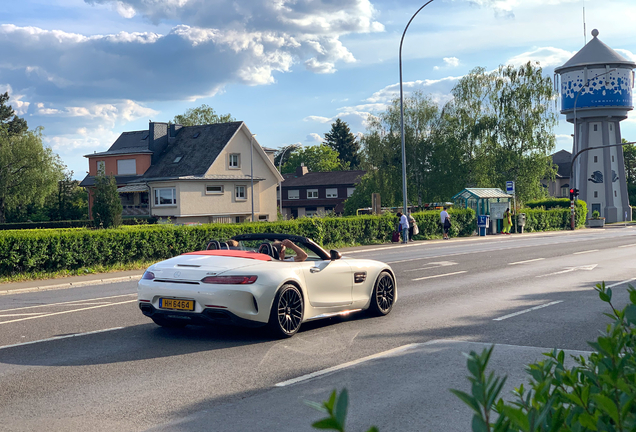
(235, 161)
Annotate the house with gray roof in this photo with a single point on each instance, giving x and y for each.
(190, 174)
(560, 186)
(307, 193)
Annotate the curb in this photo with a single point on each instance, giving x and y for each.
(71, 285)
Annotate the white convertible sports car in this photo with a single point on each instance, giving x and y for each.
(249, 285)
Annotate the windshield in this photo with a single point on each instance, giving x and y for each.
(253, 245)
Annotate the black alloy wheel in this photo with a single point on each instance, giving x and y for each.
(287, 312)
(169, 323)
(383, 295)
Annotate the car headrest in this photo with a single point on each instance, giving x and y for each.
(268, 249)
(224, 245)
(213, 245)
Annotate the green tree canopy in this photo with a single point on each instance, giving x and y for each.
(107, 207)
(29, 172)
(201, 115)
(344, 142)
(9, 121)
(317, 158)
(629, 153)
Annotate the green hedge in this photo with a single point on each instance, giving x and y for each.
(538, 219)
(463, 223)
(68, 224)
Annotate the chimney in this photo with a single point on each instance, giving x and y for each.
(174, 130)
(157, 139)
(301, 170)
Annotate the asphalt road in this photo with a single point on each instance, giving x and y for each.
(86, 359)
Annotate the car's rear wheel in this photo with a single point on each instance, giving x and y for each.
(383, 295)
(169, 323)
(287, 312)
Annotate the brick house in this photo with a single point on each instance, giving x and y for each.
(191, 174)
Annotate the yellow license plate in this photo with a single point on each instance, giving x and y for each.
(187, 305)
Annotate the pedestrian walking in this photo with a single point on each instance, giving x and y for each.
(507, 222)
(446, 223)
(403, 227)
(413, 229)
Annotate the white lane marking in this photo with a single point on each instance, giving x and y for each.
(70, 303)
(345, 365)
(65, 312)
(527, 310)
(584, 252)
(60, 337)
(571, 269)
(20, 314)
(620, 283)
(629, 245)
(526, 261)
(433, 265)
(438, 276)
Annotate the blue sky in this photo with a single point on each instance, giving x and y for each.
(87, 70)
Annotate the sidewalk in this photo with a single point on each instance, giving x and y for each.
(134, 275)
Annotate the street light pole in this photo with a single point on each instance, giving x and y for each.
(252, 171)
(576, 143)
(404, 195)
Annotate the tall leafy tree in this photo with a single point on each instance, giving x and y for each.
(202, 115)
(29, 172)
(344, 142)
(629, 153)
(9, 121)
(107, 207)
(317, 158)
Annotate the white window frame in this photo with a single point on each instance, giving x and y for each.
(293, 194)
(236, 193)
(312, 193)
(124, 167)
(350, 191)
(230, 160)
(101, 167)
(207, 192)
(157, 197)
(332, 193)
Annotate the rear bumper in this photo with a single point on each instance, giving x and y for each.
(207, 317)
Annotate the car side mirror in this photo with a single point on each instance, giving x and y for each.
(335, 255)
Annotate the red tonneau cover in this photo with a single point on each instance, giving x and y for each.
(233, 254)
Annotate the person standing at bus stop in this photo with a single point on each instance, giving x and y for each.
(507, 221)
(445, 221)
(404, 227)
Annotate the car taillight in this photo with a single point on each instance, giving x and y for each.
(230, 280)
(148, 275)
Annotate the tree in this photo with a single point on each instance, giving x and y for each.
(629, 154)
(344, 142)
(28, 171)
(201, 116)
(317, 158)
(9, 121)
(107, 207)
(284, 153)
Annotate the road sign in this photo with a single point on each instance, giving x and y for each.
(510, 187)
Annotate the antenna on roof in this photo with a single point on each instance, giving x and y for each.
(584, 31)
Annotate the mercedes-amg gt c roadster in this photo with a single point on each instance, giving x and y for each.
(244, 282)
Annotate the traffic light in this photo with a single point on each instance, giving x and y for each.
(572, 193)
(575, 192)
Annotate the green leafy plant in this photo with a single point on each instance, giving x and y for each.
(596, 215)
(336, 409)
(598, 393)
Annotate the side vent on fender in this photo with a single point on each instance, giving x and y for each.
(359, 277)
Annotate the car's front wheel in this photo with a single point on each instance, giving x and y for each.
(383, 295)
(287, 312)
(169, 323)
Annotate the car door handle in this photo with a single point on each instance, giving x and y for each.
(314, 269)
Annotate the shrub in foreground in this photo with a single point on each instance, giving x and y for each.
(597, 393)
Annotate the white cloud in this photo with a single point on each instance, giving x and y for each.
(627, 54)
(318, 119)
(314, 137)
(125, 111)
(19, 106)
(124, 10)
(438, 87)
(449, 62)
(546, 56)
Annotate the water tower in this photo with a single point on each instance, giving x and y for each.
(596, 94)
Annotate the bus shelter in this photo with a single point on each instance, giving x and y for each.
(485, 201)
